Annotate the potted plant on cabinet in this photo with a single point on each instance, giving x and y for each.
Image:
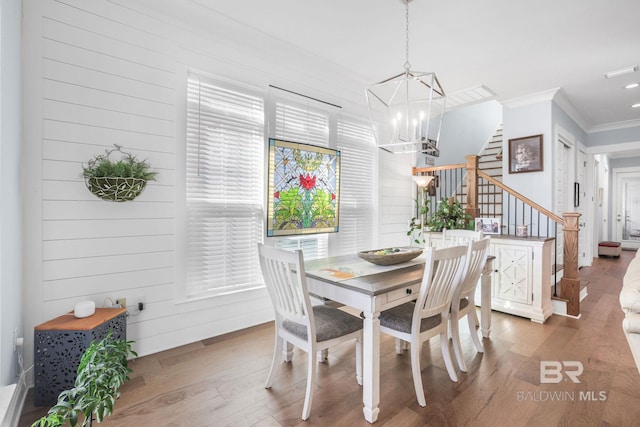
(117, 180)
(101, 371)
(449, 215)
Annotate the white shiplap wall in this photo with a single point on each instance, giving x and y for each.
(100, 72)
(102, 81)
(397, 194)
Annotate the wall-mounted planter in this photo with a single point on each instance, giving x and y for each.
(115, 189)
(117, 180)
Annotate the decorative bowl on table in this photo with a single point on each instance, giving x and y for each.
(390, 256)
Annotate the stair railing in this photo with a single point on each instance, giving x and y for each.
(487, 197)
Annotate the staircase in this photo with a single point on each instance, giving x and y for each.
(490, 205)
(491, 156)
(490, 162)
(477, 185)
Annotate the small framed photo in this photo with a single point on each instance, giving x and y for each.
(488, 225)
(525, 154)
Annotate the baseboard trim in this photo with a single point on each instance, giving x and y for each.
(569, 315)
(11, 417)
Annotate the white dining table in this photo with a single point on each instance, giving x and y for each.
(372, 290)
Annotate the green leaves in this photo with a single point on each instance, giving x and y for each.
(101, 371)
(127, 167)
(294, 209)
(416, 231)
(323, 209)
(450, 215)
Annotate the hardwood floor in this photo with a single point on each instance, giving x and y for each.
(220, 381)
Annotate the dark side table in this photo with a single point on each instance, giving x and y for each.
(59, 344)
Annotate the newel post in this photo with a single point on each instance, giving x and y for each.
(472, 186)
(570, 282)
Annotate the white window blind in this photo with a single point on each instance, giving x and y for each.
(357, 187)
(225, 182)
(297, 122)
(300, 123)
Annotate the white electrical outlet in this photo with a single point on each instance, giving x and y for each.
(121, 302)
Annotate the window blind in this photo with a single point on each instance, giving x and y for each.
(357, 189)
(306, 124)
(224, 187)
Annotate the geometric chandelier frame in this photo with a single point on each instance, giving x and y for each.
(407, 109)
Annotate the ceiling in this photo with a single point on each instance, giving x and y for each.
(514, 48)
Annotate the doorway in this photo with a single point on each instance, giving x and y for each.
(626, 182)
(564, 188)
(580, 204)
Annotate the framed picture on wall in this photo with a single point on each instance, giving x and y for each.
(525, 154)
(488, 225)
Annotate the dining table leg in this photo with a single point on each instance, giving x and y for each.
(485, 298)
(371, 365)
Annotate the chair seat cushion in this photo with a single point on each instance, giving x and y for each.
(330, 323)
(399, 318)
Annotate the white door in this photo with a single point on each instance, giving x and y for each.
(627, 206)
(563, 186)
(598, 217)
(580, 203)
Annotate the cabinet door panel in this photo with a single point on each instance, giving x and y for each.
(512, 280)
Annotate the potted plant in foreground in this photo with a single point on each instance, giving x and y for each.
(101, 371)
(117, 180)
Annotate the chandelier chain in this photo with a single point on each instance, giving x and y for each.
(407, 65)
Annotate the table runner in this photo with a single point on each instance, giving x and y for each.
(341, 272)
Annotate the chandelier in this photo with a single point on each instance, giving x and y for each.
(407, 109)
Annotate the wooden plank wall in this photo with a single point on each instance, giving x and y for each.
(104, 72)
(100, 90)
(100, 74)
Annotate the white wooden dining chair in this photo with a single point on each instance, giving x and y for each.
(310, 328)
(417, 322)
(463, 303)
(455, 237)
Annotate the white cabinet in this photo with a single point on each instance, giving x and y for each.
(521, 277)
(512, 272)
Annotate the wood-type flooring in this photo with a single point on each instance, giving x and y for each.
(220, 381)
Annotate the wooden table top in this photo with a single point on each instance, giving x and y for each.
(68, 322)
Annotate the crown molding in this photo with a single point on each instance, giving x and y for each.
(557, 95)
(613, 148)
(533, 98)
(614, 126)
(561, 100)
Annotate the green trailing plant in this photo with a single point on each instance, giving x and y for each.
(450, 215)
(418, 224)
(101, 371)
(128, 166)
